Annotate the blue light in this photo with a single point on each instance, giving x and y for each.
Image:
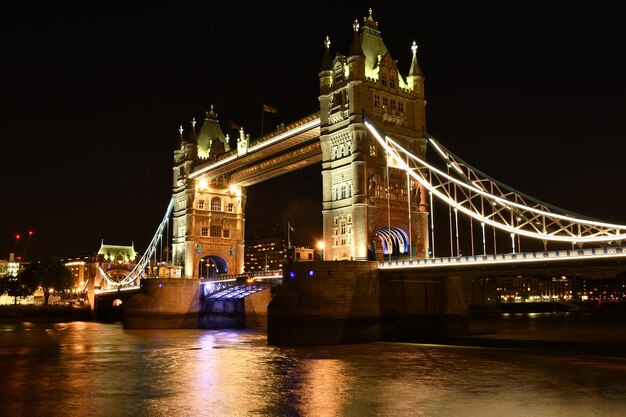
(160, 285)
(311, 273)
(292, 274)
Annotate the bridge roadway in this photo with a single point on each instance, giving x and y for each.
(591, 262)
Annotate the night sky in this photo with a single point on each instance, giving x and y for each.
(91, 103)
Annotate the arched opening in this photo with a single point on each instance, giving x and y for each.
(211, 266)
(394, 241)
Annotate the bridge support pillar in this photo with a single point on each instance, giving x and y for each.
(164, 303)
(418, 308)
(335, 302)
(325, 302)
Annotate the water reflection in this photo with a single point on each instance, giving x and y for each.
(95, 369)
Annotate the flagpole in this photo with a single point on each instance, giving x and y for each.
(262, 116)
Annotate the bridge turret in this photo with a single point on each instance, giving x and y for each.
(356, 57)
(211, 139)
(415, 80)
(368, 210)
(326, 80)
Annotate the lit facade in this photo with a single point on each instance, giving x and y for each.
(370, 210)
(208, 216)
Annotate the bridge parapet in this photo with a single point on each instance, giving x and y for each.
(604, 252)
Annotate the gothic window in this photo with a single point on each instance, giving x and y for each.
(231, 207)
(342, 229)
(349, 189)
(201, 204)
(204, 231)
(343, 191)
(384, 102)
(336, 192)
(216, 204)
(338, 75)
(376, 100)
(226, 233)
(393, 105)
(349, 220)
(216, 231)
(401, 106)
(372, 149)
(392, 82)
(383, 80)
(336, 221)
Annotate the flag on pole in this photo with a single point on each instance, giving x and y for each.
(269, 109)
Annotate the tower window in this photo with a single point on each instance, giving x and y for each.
(401, 106)
(385, 102)
(216, 204)
(231, 207)
(204, 231)
(392, 83)
(201, 204)
(383, 80)
(226, 233)
(376, 100)
(372, 149)
(216, 231)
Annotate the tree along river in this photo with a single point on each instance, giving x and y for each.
(98, 369)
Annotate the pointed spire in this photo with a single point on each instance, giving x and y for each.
(326, 63)
(192, 132)
(356, 49)
(181, 139)
(415, 80)
(370, 22)
(211, 114)
(415, 66)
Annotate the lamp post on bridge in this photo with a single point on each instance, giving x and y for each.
(320, 248)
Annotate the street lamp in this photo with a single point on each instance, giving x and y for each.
(320, 247)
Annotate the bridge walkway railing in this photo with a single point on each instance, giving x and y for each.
(609, 251)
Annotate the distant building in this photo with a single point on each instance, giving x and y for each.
(269, 251)
(113, 264)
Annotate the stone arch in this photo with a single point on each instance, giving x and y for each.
(211, 265)
(393, 240)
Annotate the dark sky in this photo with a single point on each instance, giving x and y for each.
(91, 102)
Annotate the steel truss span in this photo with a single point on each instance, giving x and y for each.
(490, 202)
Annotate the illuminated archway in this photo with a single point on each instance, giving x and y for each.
(210, 266)
(393, 240)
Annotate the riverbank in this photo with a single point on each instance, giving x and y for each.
(44, 313)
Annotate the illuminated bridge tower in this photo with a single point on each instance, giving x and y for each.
(208, 215)
(369, 210)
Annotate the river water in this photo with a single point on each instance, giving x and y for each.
(98, 369)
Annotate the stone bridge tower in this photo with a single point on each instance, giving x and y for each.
(370, 210)
(208, 215)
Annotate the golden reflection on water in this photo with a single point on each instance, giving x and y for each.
(95, 369)
(325, 387)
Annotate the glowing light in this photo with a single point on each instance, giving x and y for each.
(202, 185)
(385, 144)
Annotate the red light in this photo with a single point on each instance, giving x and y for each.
(30, 232)
(17, 236)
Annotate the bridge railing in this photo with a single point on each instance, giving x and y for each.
(609, 251)
(274, 274)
